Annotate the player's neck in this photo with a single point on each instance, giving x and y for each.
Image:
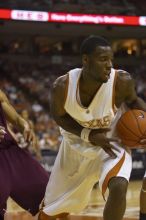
(88, 82)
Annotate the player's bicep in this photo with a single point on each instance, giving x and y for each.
(56, 105)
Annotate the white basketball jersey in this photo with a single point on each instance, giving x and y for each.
(100, 112)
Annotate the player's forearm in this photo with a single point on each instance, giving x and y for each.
(21, 124)
(13, 117)
(69, 124)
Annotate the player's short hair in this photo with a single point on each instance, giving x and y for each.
(90, 43)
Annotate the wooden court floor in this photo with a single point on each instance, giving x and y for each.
(92, 212)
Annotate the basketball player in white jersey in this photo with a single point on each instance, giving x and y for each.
(86, 103)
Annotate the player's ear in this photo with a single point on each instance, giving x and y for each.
(85, 59)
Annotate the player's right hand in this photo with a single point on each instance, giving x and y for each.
(2, 132)
(98, 137)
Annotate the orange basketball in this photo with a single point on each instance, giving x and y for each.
(131, 128)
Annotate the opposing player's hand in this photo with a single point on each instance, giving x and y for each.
(98, 138)
(2, 132)
(29, 136)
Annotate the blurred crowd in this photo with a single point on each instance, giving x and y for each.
(125, 7)
(53, 49)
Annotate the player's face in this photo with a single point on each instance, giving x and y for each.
(99, 63)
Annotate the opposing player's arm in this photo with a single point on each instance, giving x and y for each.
(16, 120)
(58, 98)
(11, 115)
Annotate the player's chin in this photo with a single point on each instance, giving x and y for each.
(105, 81)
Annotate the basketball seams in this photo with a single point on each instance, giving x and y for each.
(128, 135)
(131, 128)
(144, 133)
(128, 128)
(133, 143)
(132, 112)
(127, 139)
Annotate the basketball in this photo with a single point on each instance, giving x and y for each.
(131, 128)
